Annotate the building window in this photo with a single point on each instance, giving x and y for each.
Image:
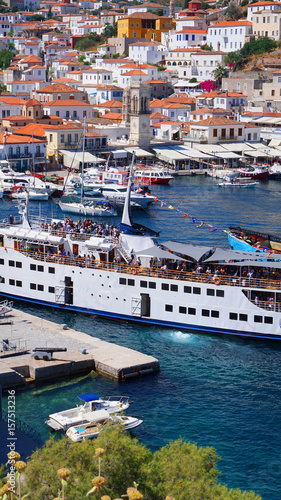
(32, 286)
(215, 132)
(240, 132)
(143, 284)
(51, 137)
(131, 282)
(11, 263)
(19, 264)
(40, 288)
(122, 281)
(152, 284)
(62, 138)
(211, 291)
(273, 92)
(19, 283)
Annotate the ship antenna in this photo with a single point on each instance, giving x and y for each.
(126, 217)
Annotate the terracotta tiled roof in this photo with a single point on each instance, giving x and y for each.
(112, 116)
(17, 139)
(218, 120)
(217, 93)
(58, 87)
(12, 100)
(32, 102)
(232, 23)
(65, 102)
(134, 72)
(141, 15)
(109, 104)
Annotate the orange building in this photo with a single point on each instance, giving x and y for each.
(144, 25)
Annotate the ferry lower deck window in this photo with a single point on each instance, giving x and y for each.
(18, 283)
(196, 290)
(233, 316)
(243, 317)
(205, 312)
(51, 289)
(131, 282)
(2, 262)
(122, 281)
(165, 286)
(12, 282)
(19, 264)
(40, 268)
(32, 286)
(210, 291)
(168, 308)
(220, 293)
(215, 314)
(40, 288)
(174, 288)
(187, 289)
(143, 284)
(12, 263)
(268, 320)
(51, 270)
(151, 284)
(192, 310)
(182, 310)
(2, 280)
(258, 319)
(32, 267)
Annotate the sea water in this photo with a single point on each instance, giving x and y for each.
(211, 390)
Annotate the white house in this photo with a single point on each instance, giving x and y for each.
(105, 49)
(195, 63)
(145, 7)
(191, 22)
(35, 73)
(222, 99)
(217, 129)
(147, 52)
(132, 76)
(10, 106)
(229, 35)
(255, 7)
(31, 5)
(96, 75)
(188, 37)
(166, 131)
(68, 109)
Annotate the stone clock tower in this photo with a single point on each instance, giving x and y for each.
(139, 114)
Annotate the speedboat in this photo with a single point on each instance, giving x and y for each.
(100, 208)
(153, 175)
(102, 417)
(86, 413)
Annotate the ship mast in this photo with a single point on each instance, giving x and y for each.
(126, 216)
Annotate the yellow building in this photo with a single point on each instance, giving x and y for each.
(144, 25)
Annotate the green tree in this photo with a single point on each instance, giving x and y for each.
(207, 47)
(233, 12)
(5, 58)
(109, 31)
(193, 80)
(159, 12)
(81, 58)
(37, 17)
(180, 469)
(258, 46)
(219, 73)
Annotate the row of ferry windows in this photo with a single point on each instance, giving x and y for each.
(33, 267)
(216, 314)
(173, 287)
(40, 288)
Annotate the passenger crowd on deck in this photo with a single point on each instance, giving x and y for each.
(68, 226)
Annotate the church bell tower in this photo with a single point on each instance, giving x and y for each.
(140, 114)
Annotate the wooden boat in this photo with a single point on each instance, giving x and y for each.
(247, 239)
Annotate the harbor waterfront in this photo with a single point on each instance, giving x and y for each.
(213, 391)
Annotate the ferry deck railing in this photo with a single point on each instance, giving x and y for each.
(269, 283)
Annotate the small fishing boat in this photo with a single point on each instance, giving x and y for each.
(86, 413)
(256, 172)
(101, 208)
(255, 241)
(102, 417)
(153, 175)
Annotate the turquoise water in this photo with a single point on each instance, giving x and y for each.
(214, 391)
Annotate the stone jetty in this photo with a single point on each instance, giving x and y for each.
(25, 332)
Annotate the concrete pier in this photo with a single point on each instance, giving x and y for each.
(26, 332)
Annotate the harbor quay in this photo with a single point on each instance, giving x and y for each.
(73, 353)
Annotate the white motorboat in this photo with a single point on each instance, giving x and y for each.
(34, 194)
(117, 194)
(86, 413)
(238, 182)
(102, 417)
(90, 208)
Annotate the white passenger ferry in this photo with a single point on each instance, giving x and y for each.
(130, 276)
